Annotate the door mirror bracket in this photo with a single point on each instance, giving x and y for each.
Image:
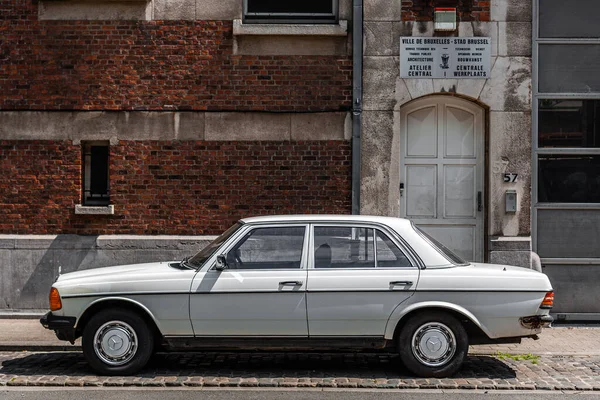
(221, 263)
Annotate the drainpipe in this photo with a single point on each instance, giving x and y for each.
(357, 70)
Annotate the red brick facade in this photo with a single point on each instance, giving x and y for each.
(172, 187)
(467, 10)
(154, 65)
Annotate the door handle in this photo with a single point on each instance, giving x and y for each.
(479, 202)
(291, 283)
(401, 283)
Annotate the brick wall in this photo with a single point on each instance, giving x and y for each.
(154, 65)
(467, 10)
(172, 187)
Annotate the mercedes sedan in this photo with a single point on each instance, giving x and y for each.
(305, 282)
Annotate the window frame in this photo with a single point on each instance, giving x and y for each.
(408, 252)
(536, 149)
(294, 18)
(86, 174)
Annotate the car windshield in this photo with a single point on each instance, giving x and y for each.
(205, 253)
(446, 252)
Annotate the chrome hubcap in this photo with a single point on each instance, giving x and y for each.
(433, 344)
(115, 343)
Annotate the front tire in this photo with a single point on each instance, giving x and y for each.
(117, 342)
(433, 345)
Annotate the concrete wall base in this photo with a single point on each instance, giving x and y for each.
(30, 262)
(510, 251)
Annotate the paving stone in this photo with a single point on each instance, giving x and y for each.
(375, 371)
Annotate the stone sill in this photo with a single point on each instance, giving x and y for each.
(94, 210)
(241, 29)
(510, 243)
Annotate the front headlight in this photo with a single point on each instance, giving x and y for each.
(55, 302)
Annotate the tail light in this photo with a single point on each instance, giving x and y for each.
(55, 302)
(548, 301)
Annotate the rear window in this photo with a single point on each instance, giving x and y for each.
(446, 252)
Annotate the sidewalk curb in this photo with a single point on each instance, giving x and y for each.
(37, 347)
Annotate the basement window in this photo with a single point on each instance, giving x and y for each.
(291, 11)
(95, 174)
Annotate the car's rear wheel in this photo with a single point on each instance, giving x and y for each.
(117, 342)
(433, 345)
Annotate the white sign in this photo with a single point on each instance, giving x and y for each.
(445, 57)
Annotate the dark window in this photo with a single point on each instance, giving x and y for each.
(95, 174)
(344, 247)
(273, 11)
(569, 123)
(569, 68)
(569, 19)
(569, 179)
(268, 248)
(446, 252)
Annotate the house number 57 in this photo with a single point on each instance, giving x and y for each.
(510, 177)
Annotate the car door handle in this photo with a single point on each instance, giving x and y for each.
(401, 283)
(291, 283)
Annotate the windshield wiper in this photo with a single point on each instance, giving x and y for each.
(186, 264)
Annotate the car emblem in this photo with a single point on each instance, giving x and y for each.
(434, 344)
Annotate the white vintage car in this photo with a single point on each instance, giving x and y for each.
(303, 282)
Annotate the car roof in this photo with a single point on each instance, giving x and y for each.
(392, 221)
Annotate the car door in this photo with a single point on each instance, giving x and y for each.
(262, 290)
(357, 276)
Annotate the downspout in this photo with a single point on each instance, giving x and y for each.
(357, 70)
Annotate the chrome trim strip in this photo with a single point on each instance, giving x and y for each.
(303, 291)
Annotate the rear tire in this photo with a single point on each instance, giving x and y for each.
(117, 342)
(433, 344)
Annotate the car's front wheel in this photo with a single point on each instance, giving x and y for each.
(433, 344)
(117, 342)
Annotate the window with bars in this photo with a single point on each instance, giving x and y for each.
(96, 185)
(277, 11)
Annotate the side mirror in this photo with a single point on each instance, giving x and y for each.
(221, 263)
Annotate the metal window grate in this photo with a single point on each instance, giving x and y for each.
(96, 185)
(277, 11)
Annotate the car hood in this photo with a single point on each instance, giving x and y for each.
(113, 271)
(125, 279)
(483, 277)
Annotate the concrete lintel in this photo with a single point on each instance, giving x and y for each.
(291, 45)
(239, 28)
(94, 210)
(247, 126)
(318, 126)
(95, 10)
(101, 125)
(174, 9)
(218, 9)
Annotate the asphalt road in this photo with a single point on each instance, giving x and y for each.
(304, 394)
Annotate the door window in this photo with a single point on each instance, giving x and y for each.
(268, 248)
(344, 247)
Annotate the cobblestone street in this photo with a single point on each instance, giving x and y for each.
(303, 370)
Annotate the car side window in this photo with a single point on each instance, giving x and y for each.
(268, 248)
(343, 247)
(388, 254)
